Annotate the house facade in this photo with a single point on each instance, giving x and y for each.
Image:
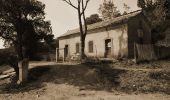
(108, 39)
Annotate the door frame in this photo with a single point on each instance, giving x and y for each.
(112, 48)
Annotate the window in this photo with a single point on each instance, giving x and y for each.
(77, 47)
(90, 46)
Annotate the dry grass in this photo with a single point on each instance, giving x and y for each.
(132, 78)
(105, 77)
(145, 82)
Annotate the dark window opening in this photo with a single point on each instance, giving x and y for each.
(77, 47)
(90, 46)
(66, 50)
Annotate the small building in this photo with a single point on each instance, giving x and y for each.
(163, 46)
(109, 39)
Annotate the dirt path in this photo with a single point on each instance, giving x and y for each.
(51, 81)
(69, 92)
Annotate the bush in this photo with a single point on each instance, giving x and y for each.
(7, 56)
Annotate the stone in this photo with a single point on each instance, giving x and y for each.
(23, 71)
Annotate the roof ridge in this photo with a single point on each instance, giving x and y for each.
(103, 23)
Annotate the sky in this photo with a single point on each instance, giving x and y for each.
(63, 17)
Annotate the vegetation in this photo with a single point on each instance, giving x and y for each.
(120, 77)
(108, 10)
(158, 13)
(81, 8)
(126, 9)
(94, 18)
(22, 26)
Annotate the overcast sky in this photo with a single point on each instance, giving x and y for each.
(63, 17)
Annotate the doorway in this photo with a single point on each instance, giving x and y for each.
(66, 51)
(108, 48)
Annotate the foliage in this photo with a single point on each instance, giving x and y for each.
(108, 10)
(5, 55)
(22, 25)
(94, 18)
(158, 13)
(126, 9)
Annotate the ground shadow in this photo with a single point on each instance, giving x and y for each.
(96, 77)
(32, 84)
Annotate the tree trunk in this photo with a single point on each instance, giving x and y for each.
(82, 48)
(18, 50)
(16, 69)
(82, 38)
(83, 30)
(18, 45)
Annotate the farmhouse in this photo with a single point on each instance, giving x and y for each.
(109, 39)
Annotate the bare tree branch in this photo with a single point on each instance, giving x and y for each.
(79, 1)
(70, 3)
(84, 6)
(84, 18)
(81, 16)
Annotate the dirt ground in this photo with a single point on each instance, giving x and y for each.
(51, 81)
(67, 92)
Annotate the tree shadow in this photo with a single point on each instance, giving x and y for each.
(108, 76)
(32, 84)
(86, 77)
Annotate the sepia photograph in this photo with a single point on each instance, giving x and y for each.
(84, 49)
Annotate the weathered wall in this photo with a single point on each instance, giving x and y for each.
(117, 34)
(146, 30)
(134, 24)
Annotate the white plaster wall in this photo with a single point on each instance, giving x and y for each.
(118, 35)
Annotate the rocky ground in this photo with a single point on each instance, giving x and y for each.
(118, 81)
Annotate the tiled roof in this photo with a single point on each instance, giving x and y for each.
(104, 23)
